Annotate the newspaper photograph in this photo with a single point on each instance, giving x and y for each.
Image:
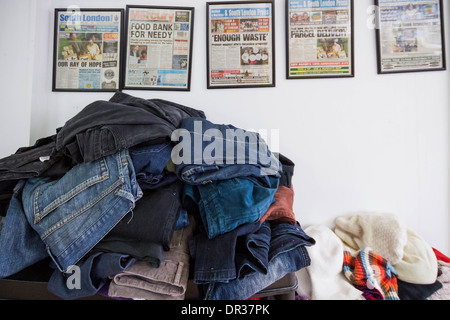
(240, 44)
(410, 36)
(159, 47)
(319, 38)
(87, 50)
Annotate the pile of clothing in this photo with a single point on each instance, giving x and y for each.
(133, 197)
(373, 256)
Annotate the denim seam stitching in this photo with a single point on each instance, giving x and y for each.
(40, 214)
(62, 222)
(107, 212)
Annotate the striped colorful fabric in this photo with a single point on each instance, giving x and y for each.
(368, 270)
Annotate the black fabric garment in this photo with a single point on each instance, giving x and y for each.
(154, 217)
(105, 127)
(288, 170)
(40, 159)
(146, 231)
(30, 161)
(412, 291)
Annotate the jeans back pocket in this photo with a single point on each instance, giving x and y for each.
(51, 195)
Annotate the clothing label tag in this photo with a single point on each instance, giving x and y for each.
(43, 159)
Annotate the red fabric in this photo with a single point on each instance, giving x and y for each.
(441, 256)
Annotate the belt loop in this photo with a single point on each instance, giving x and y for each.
(177, 278)
(47, 248)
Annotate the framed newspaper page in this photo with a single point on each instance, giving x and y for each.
(158, 50)
(410, 36)
(240, 44)
(87, 49)
(319, 39)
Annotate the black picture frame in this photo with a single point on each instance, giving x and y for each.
(127, 44)
(56, 87)
(271, 54)
(316, 64)
(379, 29)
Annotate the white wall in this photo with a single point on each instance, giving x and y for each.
(16, 65)
(371, 143)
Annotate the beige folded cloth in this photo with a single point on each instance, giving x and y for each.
(168, 282)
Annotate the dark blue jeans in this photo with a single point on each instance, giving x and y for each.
(242, 289)
(286, 253)
(94, 272)
(246, 250)
(222, 258)
(149, 163)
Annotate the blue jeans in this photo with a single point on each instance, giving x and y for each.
(20, 244)
(74, 213)
(215, 259)
(241, 289)
(226, 204)
(287, 253)
(94, 272)
(286, 237)
(245, 250)
(212, 152)
(149, 163)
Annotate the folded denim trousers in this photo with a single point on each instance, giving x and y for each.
(150, 162)
(149, 252)
(20, 244)
(243, 251)
(94, 272)
(286, 237)
(74, 213)
(168, 282)
(221, 259)
(241, 289)
(287, 253)
(226, 204)
(212, 152)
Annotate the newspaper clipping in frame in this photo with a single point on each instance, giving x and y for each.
(410, 35)
(240, 45)
(319, 38)
(87, 45)
(158, 48)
